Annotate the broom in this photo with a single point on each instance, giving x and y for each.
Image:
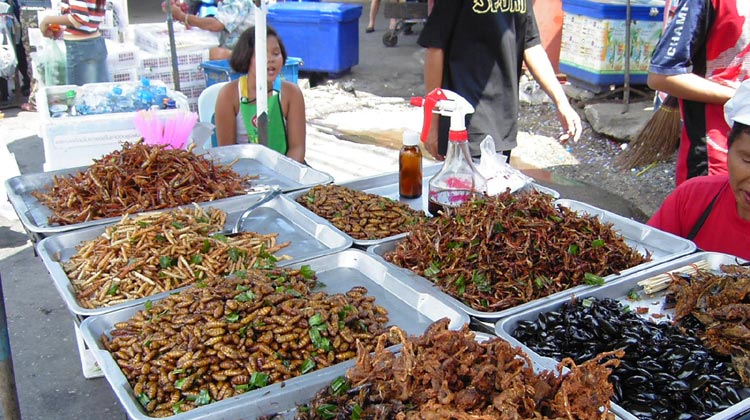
(657, 140)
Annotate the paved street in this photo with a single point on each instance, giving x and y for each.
(47, 363)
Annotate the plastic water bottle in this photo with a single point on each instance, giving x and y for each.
(143, 98)
(160, 97)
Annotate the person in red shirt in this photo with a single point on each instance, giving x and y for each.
(714, 210)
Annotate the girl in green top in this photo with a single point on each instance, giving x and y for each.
(235, 105)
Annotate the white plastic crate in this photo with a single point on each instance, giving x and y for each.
(121, 55)
(155, 37)
(192, 92)
(160, 62)
(188, 78)
(124, 75)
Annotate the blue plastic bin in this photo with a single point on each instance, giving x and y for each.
(593, 40)
(216, 71)
(324, 35)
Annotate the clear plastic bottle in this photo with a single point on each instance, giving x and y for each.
(70, 101)
(457, 182)
(410, 166)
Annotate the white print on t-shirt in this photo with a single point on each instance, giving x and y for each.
(502, 6)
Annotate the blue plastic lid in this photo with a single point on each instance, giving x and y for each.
(313, 12)
(117, 90)
(615, 9)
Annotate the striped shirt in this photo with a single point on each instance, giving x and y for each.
(84, 17)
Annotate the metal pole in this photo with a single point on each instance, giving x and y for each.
(11, 410)
(261, 72)
(626, 87)
(173, 48)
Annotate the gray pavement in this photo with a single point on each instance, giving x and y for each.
(46, 359)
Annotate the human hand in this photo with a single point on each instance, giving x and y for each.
(571, 123)
(431, 145)
(50, 30)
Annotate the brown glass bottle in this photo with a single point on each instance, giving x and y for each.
(410, 166)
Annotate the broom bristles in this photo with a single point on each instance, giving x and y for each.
(657, 140)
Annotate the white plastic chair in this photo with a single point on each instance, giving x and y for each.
(207, 106)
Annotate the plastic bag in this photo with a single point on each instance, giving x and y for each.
(54, 62)
(8, 59)
(499, 174)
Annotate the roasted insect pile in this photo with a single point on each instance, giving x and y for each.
(446, 374)
(721, 303)
(360, 214)
(138, 178)
(156, 252)
(239, 333)
(506, 250)
(665, 372)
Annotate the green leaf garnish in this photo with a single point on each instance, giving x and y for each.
(165, 261)
(307, 366)
(307, 272)
(593, 279)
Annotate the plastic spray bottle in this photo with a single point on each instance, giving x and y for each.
(410, 166)
(458, 180)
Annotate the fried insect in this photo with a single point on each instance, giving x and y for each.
(506, 250)
(138, 178)
(156, 252)
(360, 214)
(446, 374)
(192, 360)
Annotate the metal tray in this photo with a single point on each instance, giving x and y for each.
(663, 247)
(272, 168)
(284, 405)
(619, 290)
(387, 186)
(411, 307)
(310, 236)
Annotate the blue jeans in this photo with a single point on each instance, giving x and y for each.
(87, 61)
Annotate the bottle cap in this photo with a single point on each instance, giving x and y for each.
(70, 94)
(410, 138)
(171, 104)
(117, 90)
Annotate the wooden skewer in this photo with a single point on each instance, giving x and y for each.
(660, 282)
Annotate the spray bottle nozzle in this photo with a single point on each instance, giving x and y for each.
(443, 102)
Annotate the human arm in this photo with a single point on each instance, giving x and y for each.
(692, 87)
(293, 103)
(44, 25)
(433, 78)
(225, 114)
(678, 62)
(540, 67)
(206, 23)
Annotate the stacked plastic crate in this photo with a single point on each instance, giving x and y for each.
(122, 61)
(192, 50)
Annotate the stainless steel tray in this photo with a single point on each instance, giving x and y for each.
(411, 307)
(387, 186)
(271, 167)
(284, 405)
(310, 236)
(662, 246)
(619, 290)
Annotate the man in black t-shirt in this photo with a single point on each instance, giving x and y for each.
(476, 48)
